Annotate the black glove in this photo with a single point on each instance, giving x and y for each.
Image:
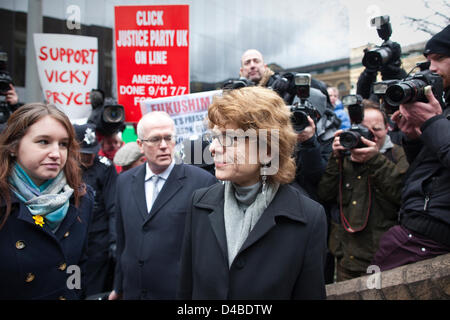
(280, 85)
(365, 81)
(392, 71)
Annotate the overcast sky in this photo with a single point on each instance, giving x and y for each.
(288, 32)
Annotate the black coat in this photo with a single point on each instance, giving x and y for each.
(36, 263)
(101, 176)
(149, 244)
(426, 194)
(282, 258)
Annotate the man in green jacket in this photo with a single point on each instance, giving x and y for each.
(366, 183)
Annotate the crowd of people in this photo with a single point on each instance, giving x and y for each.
(283, 212)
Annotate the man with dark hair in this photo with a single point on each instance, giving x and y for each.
(424, 230)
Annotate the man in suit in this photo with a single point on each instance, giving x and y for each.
(152, 202)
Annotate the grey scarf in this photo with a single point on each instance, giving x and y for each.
(239, 222)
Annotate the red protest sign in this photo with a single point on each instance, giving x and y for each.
(152, 54)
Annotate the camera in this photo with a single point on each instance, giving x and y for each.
(237, 83)
(302, 109)
(107, 116)
(388, 51)
(412, 88)
(379, 89)
(351, 138)
(5, 82)
(5, 78)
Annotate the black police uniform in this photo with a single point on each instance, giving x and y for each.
(101, 176)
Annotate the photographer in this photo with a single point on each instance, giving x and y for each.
(255, 70)
(424, 229)
(384, 59)
(366, 182)
(109, 121)
(9, 100)
(307, 117)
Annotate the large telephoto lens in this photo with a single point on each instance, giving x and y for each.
(349, 139)
(404, 92)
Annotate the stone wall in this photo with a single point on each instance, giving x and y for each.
(424, 280)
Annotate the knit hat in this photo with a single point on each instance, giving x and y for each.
(439, 43)
(127, 154)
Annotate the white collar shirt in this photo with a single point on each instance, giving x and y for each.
(149, 183)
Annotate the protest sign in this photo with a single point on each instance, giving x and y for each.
(68, 71)
(152, 54)
(187, 111)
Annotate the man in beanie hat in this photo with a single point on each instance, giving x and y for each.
(100, 174)
(424, 230)
(437, 51)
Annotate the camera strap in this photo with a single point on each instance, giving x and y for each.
(344, 220)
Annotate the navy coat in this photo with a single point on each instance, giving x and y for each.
(282, 258)
(36, 263)
(149, 244)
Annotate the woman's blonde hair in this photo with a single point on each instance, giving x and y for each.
(259, 108)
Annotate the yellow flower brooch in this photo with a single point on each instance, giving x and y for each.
(39, 220)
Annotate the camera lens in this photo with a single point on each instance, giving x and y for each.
(397, 94)
(299, 120)
(372, 60)
(349, 139)
(376, 58)
(113, 114)
(407, 91)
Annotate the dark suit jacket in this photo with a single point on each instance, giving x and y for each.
(149, 244)
(35, 263)
(282, 258)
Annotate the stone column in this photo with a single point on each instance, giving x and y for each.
(33, 91)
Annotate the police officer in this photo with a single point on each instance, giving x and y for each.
(100, 173)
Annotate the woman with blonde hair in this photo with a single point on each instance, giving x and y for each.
(253, 236)
(44, 206)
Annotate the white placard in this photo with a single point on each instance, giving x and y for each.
(68, 71)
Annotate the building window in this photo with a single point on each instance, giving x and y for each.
(342, 87)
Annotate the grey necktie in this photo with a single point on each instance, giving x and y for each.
(154, 180)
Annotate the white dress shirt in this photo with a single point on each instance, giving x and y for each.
(149, 184)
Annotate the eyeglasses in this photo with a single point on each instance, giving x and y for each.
(225, 139)
(156, 141)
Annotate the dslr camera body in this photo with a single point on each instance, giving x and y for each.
(351, 138)
(108, 117)
(237, 83)
(302, 109)
(388, 52)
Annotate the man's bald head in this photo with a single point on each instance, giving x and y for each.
(252, 65)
